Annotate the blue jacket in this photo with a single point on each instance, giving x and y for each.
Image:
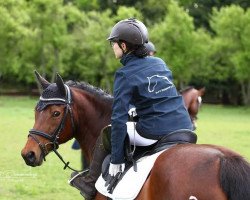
(147, 84)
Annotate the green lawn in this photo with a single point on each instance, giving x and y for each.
(227, 126)
(17, 180)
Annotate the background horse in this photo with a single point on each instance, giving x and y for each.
(193, 99)
(183, 172)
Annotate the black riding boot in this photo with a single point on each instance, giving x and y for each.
(86, 182)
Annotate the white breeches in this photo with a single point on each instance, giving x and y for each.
(135, 138)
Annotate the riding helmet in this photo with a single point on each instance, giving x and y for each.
(130, 30)
(150, 47)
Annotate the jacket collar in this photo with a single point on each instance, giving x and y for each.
(126, 58)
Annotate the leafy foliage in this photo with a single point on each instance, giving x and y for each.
(179, 46)
(69, 37)
(231, 25)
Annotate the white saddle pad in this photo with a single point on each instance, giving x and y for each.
(132, 182)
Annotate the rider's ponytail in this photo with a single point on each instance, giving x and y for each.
(138, 50)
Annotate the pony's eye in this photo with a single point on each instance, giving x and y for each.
(56, 114)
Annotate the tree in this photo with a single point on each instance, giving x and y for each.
(93, 59)
(231, 25)
(51, 46)
(49, 21)
(14, 21)
(178, 44)
(152, 10)
(91, 55)
(201, 10)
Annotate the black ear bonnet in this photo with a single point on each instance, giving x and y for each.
(51, 95)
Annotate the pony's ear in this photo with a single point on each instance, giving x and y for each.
(60, 84)
(42, 81)
(202, 91)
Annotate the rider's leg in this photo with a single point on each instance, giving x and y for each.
(86, 183)
(135, 138)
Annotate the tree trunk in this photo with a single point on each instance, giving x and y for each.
(43, 73)
(245, 90)
(56, 64)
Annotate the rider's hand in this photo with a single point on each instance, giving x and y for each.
(115, 168)
(132, 112)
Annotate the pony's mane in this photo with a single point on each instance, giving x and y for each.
(91, 89)
(186, 89)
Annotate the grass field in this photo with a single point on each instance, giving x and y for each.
(227, 126)
(17, 180)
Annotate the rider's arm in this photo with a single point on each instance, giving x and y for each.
(122, 97)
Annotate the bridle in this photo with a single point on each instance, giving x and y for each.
(53, 138)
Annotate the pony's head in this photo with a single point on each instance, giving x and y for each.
(53, 121)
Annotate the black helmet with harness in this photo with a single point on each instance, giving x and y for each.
(130, 30)
(150, 47)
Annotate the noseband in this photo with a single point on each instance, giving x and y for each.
(53, 138)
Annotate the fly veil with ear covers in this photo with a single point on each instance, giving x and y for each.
(55, 93)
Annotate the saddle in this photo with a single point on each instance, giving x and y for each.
(177, 137)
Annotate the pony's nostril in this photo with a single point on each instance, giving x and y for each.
(30, 157)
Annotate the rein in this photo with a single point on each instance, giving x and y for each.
(53, 138)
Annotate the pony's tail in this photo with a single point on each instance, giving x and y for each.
(235, 177)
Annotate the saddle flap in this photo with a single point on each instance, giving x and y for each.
(105, 167)
(131, 183)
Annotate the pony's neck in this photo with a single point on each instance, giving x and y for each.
(92, 114)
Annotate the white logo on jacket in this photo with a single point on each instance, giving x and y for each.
(153, 82)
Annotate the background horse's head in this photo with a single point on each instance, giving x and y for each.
(53, 121)
(193, 99)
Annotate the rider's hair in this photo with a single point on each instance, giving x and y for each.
(138, 50)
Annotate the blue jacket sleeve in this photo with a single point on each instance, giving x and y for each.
(122, 97)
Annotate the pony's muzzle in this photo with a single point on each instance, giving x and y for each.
(30, 158)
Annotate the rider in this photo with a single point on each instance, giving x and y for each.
(145, 82)
(151, 48)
